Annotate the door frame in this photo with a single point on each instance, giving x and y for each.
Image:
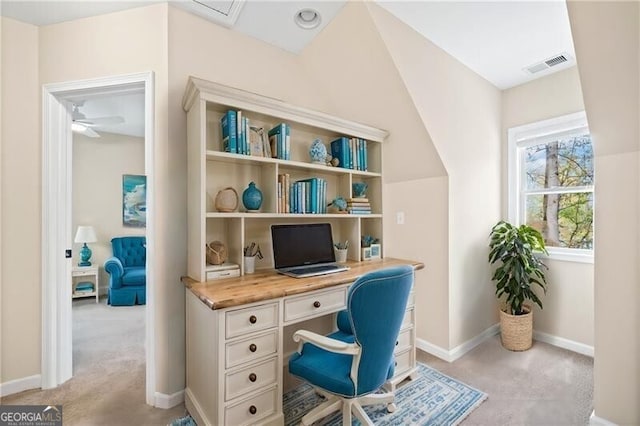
(57, 345)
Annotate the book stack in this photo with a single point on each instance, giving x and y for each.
(358, 206)
(282, 206)
(239, 137)
(350, 152)
(307, 196)
(84, 288)
(280, 141)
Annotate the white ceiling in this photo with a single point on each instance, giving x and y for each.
(495, 39)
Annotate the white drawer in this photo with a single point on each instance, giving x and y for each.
(248, 379)
(312, 305)
(251, 349)
(404, 362)
(217, 275)
(247, 320)
(404, 340)
(407, 320)
(253, 409)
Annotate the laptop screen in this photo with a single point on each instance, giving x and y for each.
(302, 244)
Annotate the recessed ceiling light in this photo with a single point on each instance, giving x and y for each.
(307, 19)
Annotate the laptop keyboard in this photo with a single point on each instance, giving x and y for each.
(314, 269)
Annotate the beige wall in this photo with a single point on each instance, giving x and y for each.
(461, 112)
(366, 87)
(20, 281)
(568, 304)
(98, 166)
(121, 43)
(609, 64)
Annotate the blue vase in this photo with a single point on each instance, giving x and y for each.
(318, 152)
(252, 197)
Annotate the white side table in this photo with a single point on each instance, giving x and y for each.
(85, 274)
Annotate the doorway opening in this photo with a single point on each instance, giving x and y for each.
(58, 229)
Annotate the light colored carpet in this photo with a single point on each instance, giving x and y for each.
(108, 384)
(543, 386)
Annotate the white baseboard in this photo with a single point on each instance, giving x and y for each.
(460, 350)
(19, 385)
(597, 421)
(169, 401)
(563, 343)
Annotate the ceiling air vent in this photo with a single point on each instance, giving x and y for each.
(548, 63)
(224, 12)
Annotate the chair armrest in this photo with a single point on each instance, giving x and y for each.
(324, 342)
(114, 267)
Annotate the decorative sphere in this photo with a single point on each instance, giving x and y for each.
(252, 197)
(318, 152)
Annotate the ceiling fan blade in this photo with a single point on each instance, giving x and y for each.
(83, 129)
(102, 121)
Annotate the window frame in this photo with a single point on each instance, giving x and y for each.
(545, 131)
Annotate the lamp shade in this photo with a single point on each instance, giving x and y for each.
(85, 234)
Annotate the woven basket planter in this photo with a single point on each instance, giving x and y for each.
(516, 330)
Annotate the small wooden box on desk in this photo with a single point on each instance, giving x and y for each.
(235, 332)
(85, 275)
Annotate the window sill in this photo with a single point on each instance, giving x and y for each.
(567, 255)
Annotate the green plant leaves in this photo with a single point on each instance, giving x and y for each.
(516, 250)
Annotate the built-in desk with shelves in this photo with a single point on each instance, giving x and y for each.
(236, 338)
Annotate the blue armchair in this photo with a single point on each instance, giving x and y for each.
(127, 271)
(350, 365)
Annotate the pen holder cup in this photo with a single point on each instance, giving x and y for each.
(249, 264)
(341, 255)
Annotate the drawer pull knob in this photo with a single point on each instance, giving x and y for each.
(395, 364)
(316, 304)
(397, 343)
(253, 319)
(253, 377)
(253, 347)
(253, 409)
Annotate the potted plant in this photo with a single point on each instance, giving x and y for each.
(520, 270)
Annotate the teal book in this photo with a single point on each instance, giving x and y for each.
(365, 155)
(340, 150)
(312, 204)
(277, 140)
(229, 132)
(287, 142)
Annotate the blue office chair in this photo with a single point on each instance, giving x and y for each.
(350, 365)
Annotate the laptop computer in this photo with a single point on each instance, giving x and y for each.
(304, 250)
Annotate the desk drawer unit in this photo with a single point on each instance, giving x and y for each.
(217, 275)
(404, 341)
(249, 320)
(404, 362)
(251, 349)
(250, 410)
(251, 378)
(315, 304)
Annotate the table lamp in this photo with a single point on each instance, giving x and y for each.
(85, 234)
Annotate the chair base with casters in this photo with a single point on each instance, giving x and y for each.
(348, 366)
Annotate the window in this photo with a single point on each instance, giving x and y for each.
(551, 180)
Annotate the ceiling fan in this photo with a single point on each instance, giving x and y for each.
(84, 126)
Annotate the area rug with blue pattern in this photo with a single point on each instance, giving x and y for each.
(433, 399)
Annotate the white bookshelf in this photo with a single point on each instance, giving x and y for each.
(210, 170)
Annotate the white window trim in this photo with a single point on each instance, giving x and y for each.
(537, 133)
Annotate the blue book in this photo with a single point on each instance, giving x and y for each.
(277, 140)
(312, 186)
(364, 155)
(229, 132)
(340, 150)
(287, 142)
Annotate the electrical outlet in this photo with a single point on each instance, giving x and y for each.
(400, 218)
